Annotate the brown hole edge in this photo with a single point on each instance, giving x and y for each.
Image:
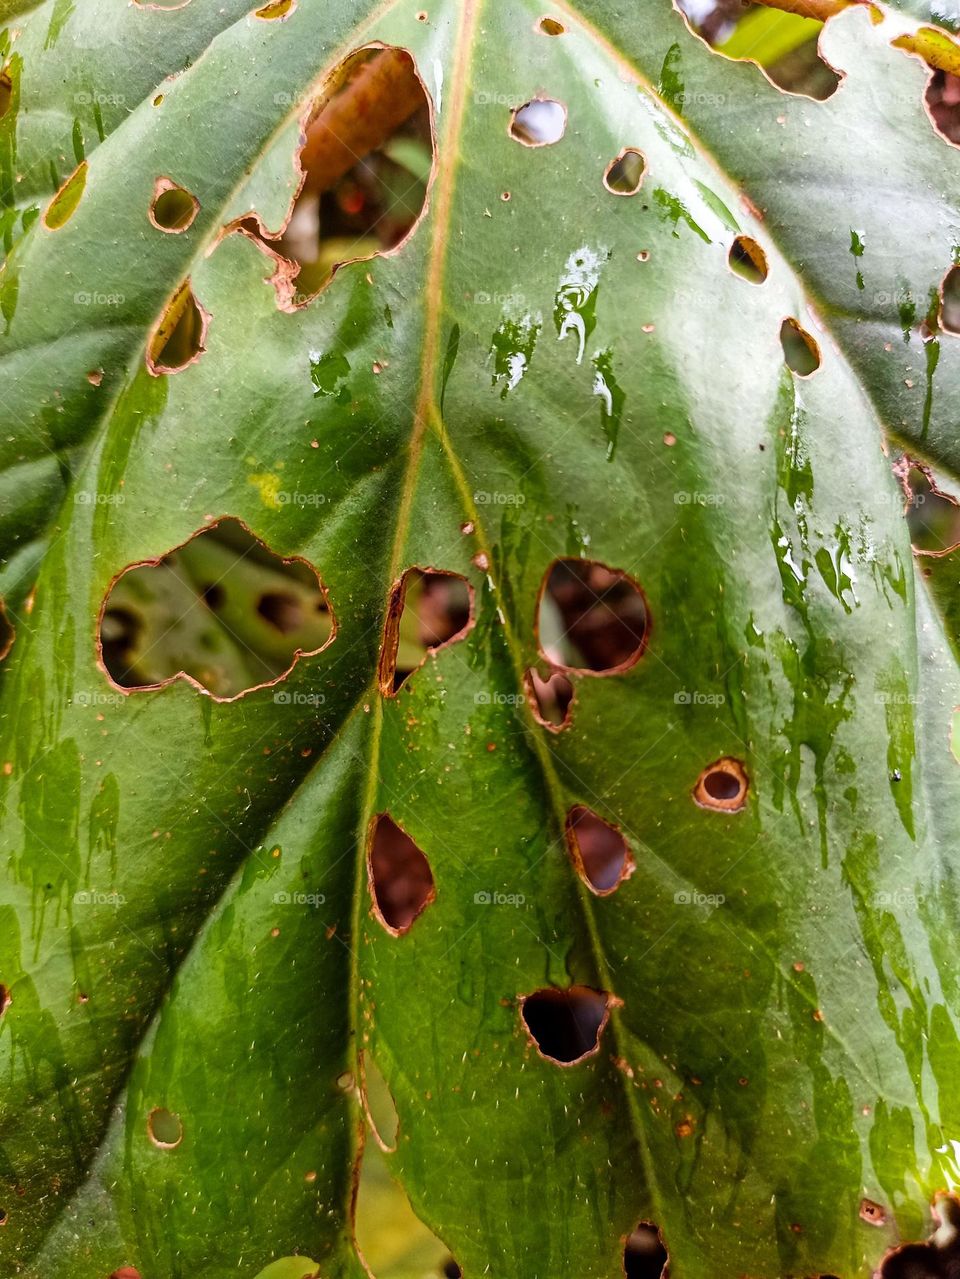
(386, 667)
(901, 470)
(429, 897)
(365, 1105)
(611, 1001)
(182, 675)
(622, 155)
(533, 700)
(627, 867)
(7, 631)
(285, 270)
(735, 802)
(154, 367)
(536, 146)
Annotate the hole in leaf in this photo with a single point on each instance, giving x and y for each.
(539, 123)
(873, 1213)
(196, 614)
(644, 1256)
(566, 1025)
(625, 173)
(178, 339)
(390, 1238)
(591, 618)
(784, 46)
(551, 698)
(550, 27)
(164, 1128)
(451, 1270)
(933, 516)
(748, 259)
(722, 786)
(938, 1257)
(6, 91)
(428, 609)
(7, 633)
(63, 205)
(173, 208)
(165, 6)
(367, 162)
(278, 9)
(126, 1272)
(800, 351)
(942, 96)
(598, 850)
(378, 1103)
(950, 301)
(5, 1000)
(401, 882)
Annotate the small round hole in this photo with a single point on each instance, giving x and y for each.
(748, 260)
(722, 786)
(164, 1128)
(550, 27)
(539, 123)
(800, 351)
(566, 1025)
(625, 173)
(644, 1255)
(173, 208)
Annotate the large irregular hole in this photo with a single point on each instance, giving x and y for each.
(221, 611)
(566, 1025)
(378, 1104)
(591, 618)
(539, 123)
(800, 351)
(933, 516)
(173, 207)
(164, 1128)
(950, 301)
(624, 175)
(938, 1257)
(747, 259)
(598, 849)
(401, 882)
(784, 46)
(367, 162)
(551, 698)
(63, 205)
(428, 609)
(178, 339)
(644, 1254)
(722, 786)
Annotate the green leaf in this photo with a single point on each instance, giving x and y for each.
(545, 371)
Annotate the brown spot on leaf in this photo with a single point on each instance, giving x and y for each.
(550, 27)
(872, 1212)
(401, 882)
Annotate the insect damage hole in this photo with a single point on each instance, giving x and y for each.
(64, 204)
(365, 168)
(624, 174)
(644, 1254)
(933, 515)
(428, 610)
(936, 1258)
(590, 618)
(598, 850)
(178, 339)
(538, 123)
(221, 611)
(801, 353)
(550, 27)
(950, 295)
(378, 1104)
(550, 698)
(722, 786)
(748, 260)
(566, 1025)
(173, 208)
(7, 632)
(401, 882)
(279, 9)
(164, 1128)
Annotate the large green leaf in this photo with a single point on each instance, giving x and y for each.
(564, 373)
